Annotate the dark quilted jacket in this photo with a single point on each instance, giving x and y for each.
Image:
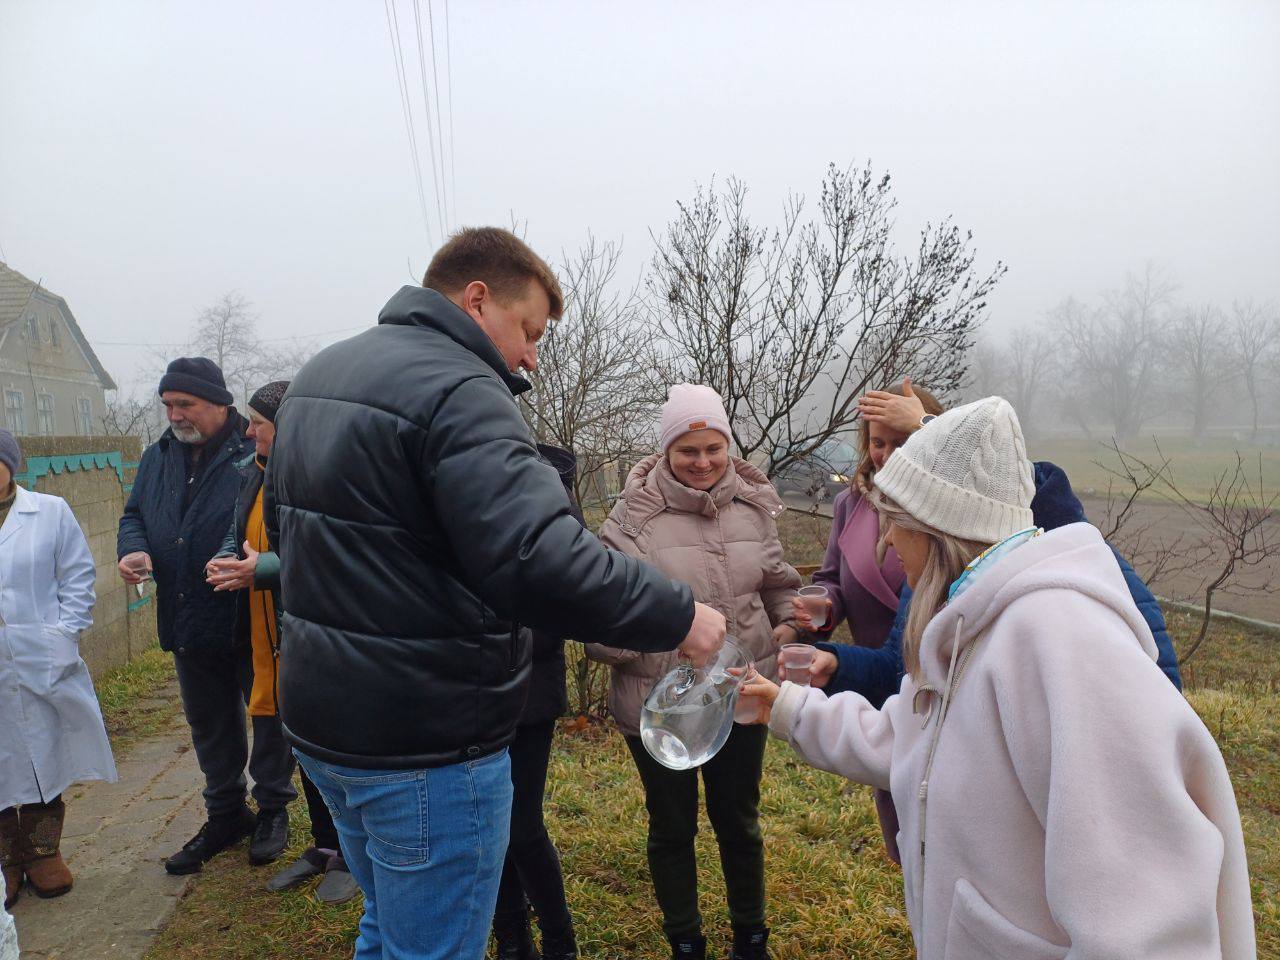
(417, 530)
(191, 618)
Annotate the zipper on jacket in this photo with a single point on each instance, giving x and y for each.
(954, 672)
(512, 654)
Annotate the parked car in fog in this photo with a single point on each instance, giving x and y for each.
(823, 472)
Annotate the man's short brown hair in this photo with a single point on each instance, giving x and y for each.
(497, 258)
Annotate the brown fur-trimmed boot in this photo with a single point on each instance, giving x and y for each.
(40, 834)
(9, 860)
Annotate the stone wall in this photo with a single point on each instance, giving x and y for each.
(94, 475)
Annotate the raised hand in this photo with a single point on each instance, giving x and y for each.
(902, 414)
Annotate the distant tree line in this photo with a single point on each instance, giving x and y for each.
(1135, 355)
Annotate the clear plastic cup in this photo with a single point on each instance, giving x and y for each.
(816, 601)
(747, 709)
(796, 659)
(141, 567)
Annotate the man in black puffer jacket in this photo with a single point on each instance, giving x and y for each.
(418, 530)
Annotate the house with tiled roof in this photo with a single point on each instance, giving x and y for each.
(51, 380)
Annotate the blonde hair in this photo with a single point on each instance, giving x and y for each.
(866, 469)
(948, 556)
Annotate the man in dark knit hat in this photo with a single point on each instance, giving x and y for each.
(178, 513)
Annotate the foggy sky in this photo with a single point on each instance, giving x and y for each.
(156, 155)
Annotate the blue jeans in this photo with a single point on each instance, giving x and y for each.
(426, 847)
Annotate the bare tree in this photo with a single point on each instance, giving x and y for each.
(595, 390)
(984, 375)
(1021, 369)
(1239, 520)
(227, 333)
(1254, 337)
(1161, 561)
(131, 415)
(1230, 537)
(792, 325)
(1112, 352)
(1197, 350)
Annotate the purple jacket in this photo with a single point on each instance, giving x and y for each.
(863, 592)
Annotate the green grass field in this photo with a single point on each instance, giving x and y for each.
(832, 892)
(1195, 467)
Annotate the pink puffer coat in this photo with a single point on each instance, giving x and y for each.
(723, 543)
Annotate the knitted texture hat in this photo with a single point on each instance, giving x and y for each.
(691, 406)
(965, 473)
(10, 452)
(198, 376)
(266, 399)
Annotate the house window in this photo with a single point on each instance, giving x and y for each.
(44, 414)
(15, 417)
(84, 414)
(33, 328)
(55, 332)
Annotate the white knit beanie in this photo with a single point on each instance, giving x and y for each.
(691, 406)
(965, 473)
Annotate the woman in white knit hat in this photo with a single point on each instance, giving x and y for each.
(703, 516)
(1057, 796)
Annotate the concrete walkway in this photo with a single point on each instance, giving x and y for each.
(117, 836)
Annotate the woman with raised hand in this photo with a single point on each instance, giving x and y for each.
(1058, 797)
(862, 582)
(707, 518)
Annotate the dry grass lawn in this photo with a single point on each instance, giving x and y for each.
(832, 892)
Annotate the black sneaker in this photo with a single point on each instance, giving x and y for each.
(270, 836)
(214, 837)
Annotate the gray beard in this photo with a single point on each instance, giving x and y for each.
(188, 435)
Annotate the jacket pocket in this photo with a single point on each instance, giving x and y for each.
(977, 931)
(64, 650)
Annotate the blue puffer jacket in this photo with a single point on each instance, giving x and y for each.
(190, 617)
(877, 674)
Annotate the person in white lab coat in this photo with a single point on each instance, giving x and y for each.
(51, 730)
(8, 933)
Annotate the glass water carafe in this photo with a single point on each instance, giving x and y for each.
(687, 716)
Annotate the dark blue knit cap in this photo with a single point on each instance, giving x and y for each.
(198, 376)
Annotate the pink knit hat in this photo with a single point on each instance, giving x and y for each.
(691, 406)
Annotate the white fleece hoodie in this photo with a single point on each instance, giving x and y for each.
(1075, 806)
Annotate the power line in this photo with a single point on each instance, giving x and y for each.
(435, 73)
(453, 165)
(296, 336)
(397, 56)
(441, 209)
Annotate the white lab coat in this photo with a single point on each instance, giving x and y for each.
(8, 933)
(51, 731)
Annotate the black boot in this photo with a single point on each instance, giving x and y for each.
(214, 837)
(559, 945)
(270, 836)
(514, 940)
(690, 946)
(749, 943)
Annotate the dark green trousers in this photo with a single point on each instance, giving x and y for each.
(732, 782)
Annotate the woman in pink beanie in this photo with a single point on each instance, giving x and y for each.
(708, 518)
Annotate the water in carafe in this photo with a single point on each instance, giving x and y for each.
(687, 716)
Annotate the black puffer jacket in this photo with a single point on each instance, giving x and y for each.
(548, 697)
(417, 528)
(191, 618)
